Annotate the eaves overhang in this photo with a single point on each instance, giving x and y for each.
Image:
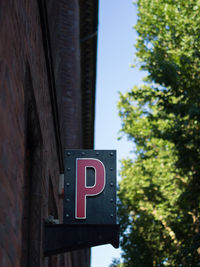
(88, 47)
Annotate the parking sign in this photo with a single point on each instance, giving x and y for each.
(90, 187)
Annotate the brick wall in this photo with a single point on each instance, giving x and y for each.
(29, 160)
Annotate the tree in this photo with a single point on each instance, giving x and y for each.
(160, 189)
(116, 263)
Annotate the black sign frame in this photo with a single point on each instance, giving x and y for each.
(101, 208)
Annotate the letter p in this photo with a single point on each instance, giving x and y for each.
(82, 190)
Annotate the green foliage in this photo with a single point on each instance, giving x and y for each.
(116, 263)
(160, 190)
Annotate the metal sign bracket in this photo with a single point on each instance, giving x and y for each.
(60, 238)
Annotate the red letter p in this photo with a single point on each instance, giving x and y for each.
(82, 190)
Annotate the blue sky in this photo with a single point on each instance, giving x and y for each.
(116, 51)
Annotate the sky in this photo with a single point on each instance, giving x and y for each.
(116, 52)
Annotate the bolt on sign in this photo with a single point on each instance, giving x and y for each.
(90, 187)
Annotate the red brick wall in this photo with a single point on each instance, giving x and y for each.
(65, 47)
(29, 167)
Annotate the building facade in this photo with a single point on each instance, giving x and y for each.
(47, 97)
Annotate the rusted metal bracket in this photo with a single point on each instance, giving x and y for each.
(60, 238)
